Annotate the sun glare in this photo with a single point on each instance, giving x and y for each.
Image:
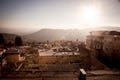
(89, 15)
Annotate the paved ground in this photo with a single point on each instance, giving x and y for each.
(103, 75)
(104, 72)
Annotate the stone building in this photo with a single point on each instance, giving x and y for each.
(13, 56)
(107, 41)
(107, 46)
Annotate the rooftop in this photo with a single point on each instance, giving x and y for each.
(11, 51)
(52, 53)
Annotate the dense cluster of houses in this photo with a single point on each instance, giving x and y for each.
(103, 41)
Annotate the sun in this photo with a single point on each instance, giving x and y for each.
(89, 15)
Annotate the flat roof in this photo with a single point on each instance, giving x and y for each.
(52, 53)
(10, 52)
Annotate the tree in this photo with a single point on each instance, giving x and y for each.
(10, 44)
(18, 41)
(2, 40)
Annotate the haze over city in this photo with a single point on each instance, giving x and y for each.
(60, 39)
(27, 16)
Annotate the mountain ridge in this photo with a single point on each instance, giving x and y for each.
(66, 34)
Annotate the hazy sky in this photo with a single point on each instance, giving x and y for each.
(25, 16)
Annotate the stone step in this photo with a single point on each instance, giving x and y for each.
(17, 74)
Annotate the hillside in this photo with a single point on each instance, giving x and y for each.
(61, 34)
(8, 36)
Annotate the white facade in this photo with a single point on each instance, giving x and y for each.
(107, 43)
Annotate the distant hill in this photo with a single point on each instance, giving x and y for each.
(61, 34)
(8, 36)
(55, 34)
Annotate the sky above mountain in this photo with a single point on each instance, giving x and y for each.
(25, 16)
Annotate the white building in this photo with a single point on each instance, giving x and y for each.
(107, 41)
